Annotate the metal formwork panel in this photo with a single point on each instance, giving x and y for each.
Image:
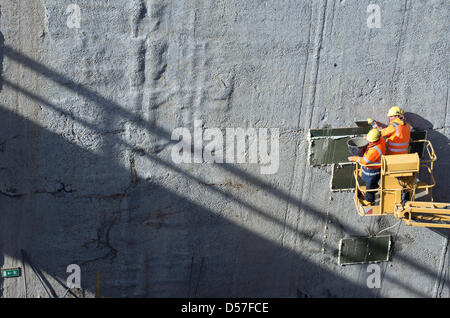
(361, 250)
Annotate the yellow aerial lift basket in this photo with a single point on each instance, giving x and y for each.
(400, 188)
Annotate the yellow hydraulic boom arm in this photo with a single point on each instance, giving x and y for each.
(430, 214)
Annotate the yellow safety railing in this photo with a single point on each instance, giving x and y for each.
(424, 163)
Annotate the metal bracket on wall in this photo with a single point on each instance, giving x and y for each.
(342, 177)
(363, 250)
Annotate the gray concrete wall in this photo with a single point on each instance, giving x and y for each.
(86, 115)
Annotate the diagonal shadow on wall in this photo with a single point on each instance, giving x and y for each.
(163, 134)
(188, 250)
(110, 211)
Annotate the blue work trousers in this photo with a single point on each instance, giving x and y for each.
(371, 177)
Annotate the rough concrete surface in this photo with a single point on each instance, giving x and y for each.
(86, 116)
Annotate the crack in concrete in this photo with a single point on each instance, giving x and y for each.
(12, 194)
(3, 143)
(404, 26)
(103, 240)
(225, 184)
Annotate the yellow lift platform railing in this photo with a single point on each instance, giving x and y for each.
(400, 187)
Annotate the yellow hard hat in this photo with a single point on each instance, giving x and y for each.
(373, 135)
(395, 111)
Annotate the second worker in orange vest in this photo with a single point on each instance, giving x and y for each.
(374, 151)
(397, 133)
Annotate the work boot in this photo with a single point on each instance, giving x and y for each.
(370, 197)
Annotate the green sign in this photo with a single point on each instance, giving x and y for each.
(10, 272)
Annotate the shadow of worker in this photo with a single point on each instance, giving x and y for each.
(441, 169)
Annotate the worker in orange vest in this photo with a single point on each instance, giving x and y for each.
(397, 133)
(371, 175)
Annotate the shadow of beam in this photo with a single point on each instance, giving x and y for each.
(103, 102)
(58, 241)
(93, 96)
(191, 176)
(123, 113)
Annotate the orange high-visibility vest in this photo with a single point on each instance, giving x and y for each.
(397, 135)
(373, 155)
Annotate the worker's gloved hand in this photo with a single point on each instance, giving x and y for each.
(372, 123)
(353, 158)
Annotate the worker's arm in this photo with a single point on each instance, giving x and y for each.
(363, 161)
(353, 158)
(375, 124)
(386, 132)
